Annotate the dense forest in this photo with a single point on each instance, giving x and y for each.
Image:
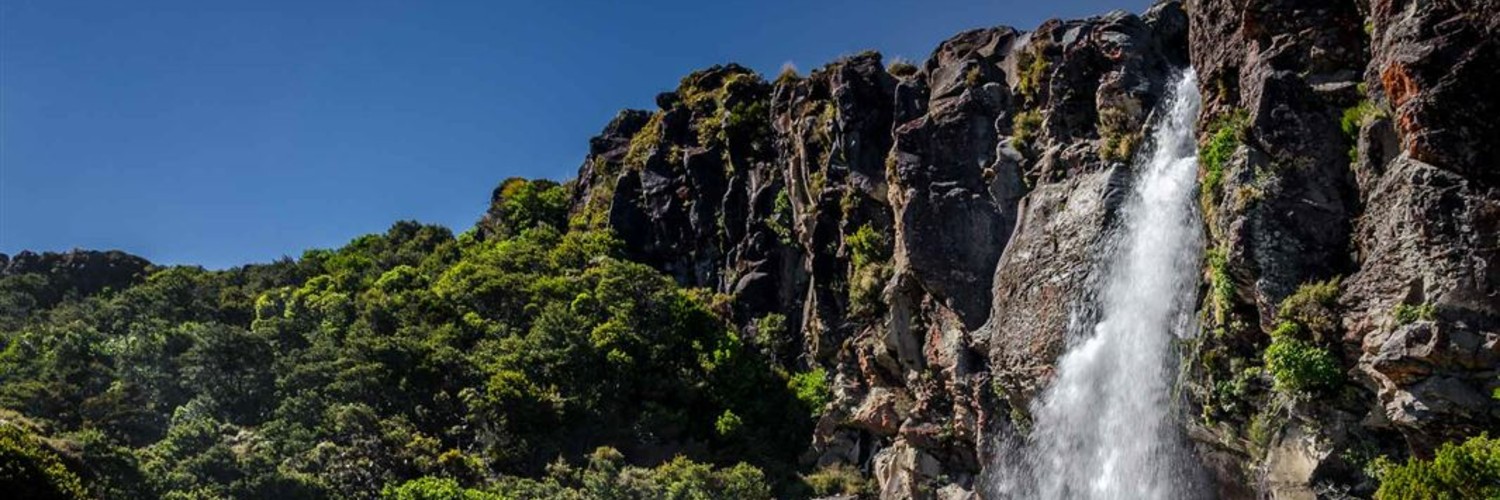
(523, 358)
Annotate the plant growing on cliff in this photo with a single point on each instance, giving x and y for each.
(1406, 313)
(1353, 119)
(811, 388)
(1024, 128)
(643, 143)
(867, 246)
(1033, 75)
(780, 220)
(1226, 134)
(1458, 471)
(974, 77)
(1299, 367)
(868, 252)
(1221, 289)
(1313, 307)
(838, 479)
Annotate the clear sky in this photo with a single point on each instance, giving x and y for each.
(226, 132)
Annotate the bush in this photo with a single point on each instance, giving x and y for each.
(1354, 118)
(1467, 470)
(434, 488)
(867, 246)
(1221, 289)
(1407, 313)
(780, 220)
(865, 289)
(811, 388)
(30, 469)
(1299, 367)
(1313, 307)
(837, 479)
(1024, 127)
(1033, 75)
(1228, 133)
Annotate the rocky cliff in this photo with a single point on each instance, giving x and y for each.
(926, 232)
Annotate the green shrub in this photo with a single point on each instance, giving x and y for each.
(837, 479)
(865, 289)
(780, 221)
(1033, 75)
(434, 488)
(1313, 307)
(1299, 367)
(974, 77)
(1407, 313)
(728, 423)
(1355, 117)
(867, 246)
(811, 388)
(643, 143)
(1119, 146)
(31, 469)
(1221, 289)
(1227, 134)
(1458, 471)
(1024, 127)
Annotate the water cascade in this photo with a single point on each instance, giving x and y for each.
(1104, 428)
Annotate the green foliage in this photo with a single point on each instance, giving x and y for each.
(868, 246)
(399, 356)
(31, 469)
(1024, 128)
(434, 488)
(865, 289)
(1313, 306)
(811, 388)
(974, 77)
(1034, 75)
(780, 220)
(1299, 367)
(728, 423)
(1119, 146)
(1355, 117)
(644, 143)
(1406, 313)
(606, 476)
(1221, 288)
(1226, 134)
(1458, 471)
(520, 204)
(838, 479)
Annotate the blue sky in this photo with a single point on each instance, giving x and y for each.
(227, 132)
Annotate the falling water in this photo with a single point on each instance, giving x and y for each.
(1104, 429)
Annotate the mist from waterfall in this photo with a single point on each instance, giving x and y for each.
(1104, 428)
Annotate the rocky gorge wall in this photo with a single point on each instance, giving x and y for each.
(925, 233)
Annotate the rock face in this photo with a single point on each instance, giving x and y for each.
(926, 234)
(1352, 151)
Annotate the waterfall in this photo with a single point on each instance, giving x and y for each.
(1104, 428)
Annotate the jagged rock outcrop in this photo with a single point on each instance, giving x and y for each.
(929, 233)
(1397, 203)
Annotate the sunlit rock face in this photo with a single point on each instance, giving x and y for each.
(933, 231)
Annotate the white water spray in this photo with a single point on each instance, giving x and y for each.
(1103, 429)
